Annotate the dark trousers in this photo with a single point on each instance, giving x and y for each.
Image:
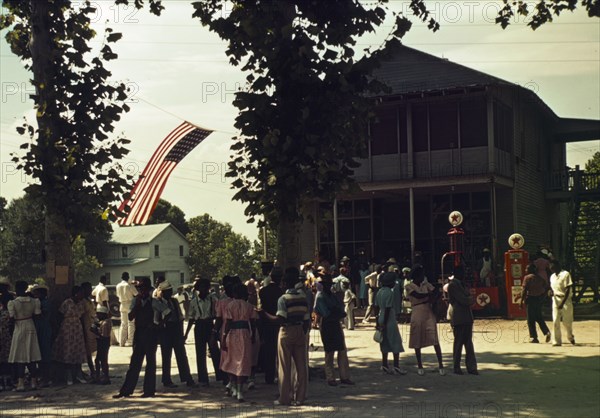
(534, 315)
(171, 339)
(268, 351)
(203, 339)
(144, 345)
(103, 344)
(463, 336)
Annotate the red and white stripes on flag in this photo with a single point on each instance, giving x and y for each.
(148, 188)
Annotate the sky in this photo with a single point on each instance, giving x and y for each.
(177, 70)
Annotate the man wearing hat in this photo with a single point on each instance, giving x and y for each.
(269, 296)
(169, 318)
(144, 343)
(461, 319)
(126, 292)
(331, 312)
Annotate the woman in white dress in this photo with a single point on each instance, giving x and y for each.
(423, 324)
(24, 349)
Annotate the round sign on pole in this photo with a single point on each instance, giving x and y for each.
(516, 241)
(455, 218)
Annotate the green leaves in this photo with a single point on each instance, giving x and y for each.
(114, 37)
(72, 154)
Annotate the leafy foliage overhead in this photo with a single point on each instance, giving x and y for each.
(216, 250)
(165, 212)
(303, 118)
(544, 11)
(71, 151)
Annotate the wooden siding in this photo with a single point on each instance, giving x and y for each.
(531, 219)
(504, 218)
(168, 261)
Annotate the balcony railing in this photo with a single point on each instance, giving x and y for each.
(573, 181)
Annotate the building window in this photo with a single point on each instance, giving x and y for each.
(354, 228)
(124, 252)
(156, 251)
(443, 125)
(503, 127)
(420, 137)
(384, 132)
(473, 123)
(181, 251)
(181, 278)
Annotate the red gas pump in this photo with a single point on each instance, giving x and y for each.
(515, 267)
(456, 235)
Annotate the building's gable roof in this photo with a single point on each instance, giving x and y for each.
(413, 71)
(141, 234)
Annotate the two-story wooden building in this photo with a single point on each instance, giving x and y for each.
(146, 251)
(447, 138)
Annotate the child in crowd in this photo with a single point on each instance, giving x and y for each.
(103, 330)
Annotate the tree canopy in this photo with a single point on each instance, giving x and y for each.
(216, 250)
(303, 117)
(165, 212)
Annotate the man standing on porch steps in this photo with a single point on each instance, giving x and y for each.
(126, 292)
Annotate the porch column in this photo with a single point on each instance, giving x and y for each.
(411, 205)
(490, 135)
(494, 223)
(336, 240)
(409, 143)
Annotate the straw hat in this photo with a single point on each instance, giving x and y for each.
(164, 286)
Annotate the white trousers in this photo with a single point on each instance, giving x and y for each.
(564, 315)
(127, 329)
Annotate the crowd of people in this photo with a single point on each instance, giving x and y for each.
(247, 327)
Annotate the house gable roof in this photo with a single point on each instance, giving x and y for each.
(412, 71)
(140, 234)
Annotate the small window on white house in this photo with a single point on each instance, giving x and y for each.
(156, 251)
(181, 251)
(181, 278)
(124, 252)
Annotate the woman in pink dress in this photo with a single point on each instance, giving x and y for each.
(239, 336)
(227, 297)
(69, 347)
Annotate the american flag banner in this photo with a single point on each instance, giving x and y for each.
(148, 188)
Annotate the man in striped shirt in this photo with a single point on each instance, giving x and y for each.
(294, 318)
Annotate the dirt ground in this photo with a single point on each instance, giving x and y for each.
(517, 379)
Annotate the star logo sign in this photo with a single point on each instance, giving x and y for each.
(483, 299)
(455, 218)
(516, 241)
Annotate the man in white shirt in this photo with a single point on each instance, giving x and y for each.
(562, 303)
(100, 294)
(126, 292)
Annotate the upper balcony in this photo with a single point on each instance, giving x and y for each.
(567, 184)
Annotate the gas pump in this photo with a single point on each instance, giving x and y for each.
(456, 235)
(515, 267)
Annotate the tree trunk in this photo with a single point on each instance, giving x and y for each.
(59, 266)
(59, 271)
(288, 237)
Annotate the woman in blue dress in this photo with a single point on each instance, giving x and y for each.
(386, 323)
